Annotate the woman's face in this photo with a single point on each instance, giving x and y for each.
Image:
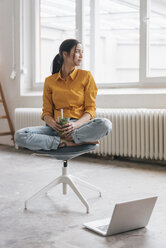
(75, 56)
(78, 55)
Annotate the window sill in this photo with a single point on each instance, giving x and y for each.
(132, 91)
(113, 91)
(32, 93)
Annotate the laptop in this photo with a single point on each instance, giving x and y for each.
(126, 216)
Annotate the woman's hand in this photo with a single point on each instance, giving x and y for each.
(57, 126)
(68, 129)
(54, 124)
(71, 126)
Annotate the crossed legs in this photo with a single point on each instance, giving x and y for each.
(45, 138)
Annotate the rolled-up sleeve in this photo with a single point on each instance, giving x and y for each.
(47, 101)
(90, 96)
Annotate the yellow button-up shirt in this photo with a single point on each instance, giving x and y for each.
(76, 95)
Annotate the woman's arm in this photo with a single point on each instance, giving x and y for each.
(47, 100)
(90, 92)
(49, 121)
(52, 123)
(85, 118)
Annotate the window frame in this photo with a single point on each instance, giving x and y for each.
(144, 80)
(144, 38)
(36, 84)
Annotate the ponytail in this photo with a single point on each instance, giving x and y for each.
(57, 63)
(66, 45)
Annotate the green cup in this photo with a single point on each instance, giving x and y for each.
(62, 122)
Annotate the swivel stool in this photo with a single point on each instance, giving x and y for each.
(65, 154)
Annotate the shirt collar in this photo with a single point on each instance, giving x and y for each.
(72, 74)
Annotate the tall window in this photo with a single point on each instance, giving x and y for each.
(118, 41)
(124, 40)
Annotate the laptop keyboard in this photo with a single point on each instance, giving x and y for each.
(103, 228)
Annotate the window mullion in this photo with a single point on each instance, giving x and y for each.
(144, 17)
(94, 36)
(36, 53)
(80, 29)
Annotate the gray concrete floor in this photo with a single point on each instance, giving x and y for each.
(56, 221)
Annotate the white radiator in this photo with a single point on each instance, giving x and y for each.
(28, 117)
(137, 133)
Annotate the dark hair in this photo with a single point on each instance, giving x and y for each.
(66, 46)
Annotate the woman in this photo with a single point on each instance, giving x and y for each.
(74, 91)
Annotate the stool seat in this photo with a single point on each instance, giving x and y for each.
(69, 152)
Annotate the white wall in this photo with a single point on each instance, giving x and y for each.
(115, 98)
(11, 88)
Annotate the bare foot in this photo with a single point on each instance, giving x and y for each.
(92, 142)
(64, 143)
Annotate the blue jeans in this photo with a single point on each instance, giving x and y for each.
(46, 138)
